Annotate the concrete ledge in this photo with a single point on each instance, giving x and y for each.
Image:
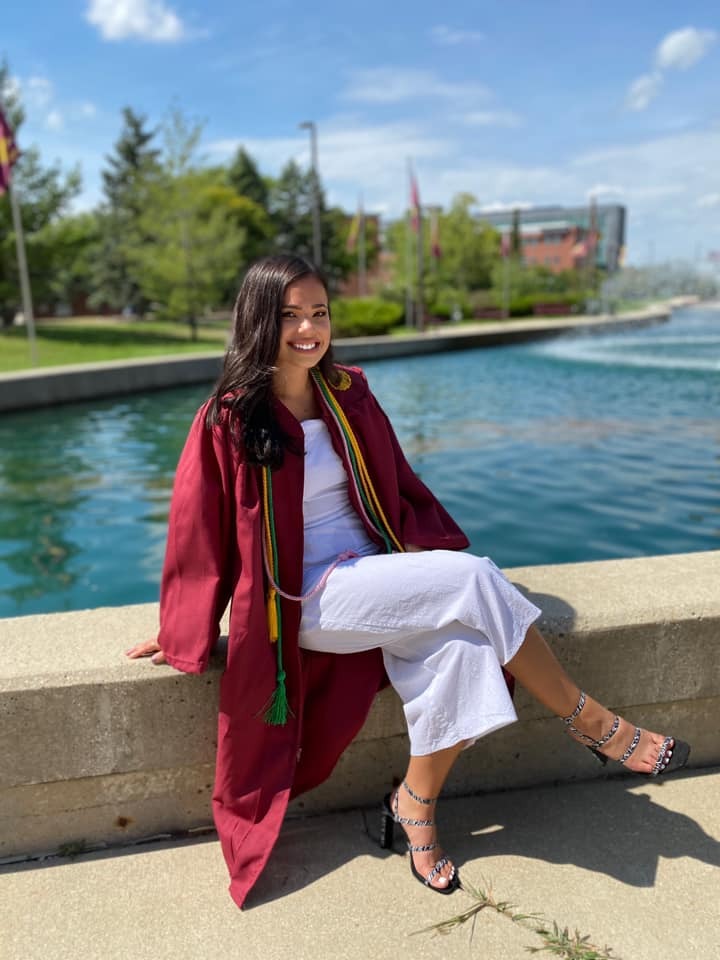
(97, 749)
(46, 386)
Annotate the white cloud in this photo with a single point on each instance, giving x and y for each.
(708, 200)
(147, 19)
(505, 207)
(678, 50)
(451, 37)
(54, 120)
(36, 91)
(491, 118)
(88, 109)
(393, 85)
(352, 155)
(643, 90)
(604, 190)
(684, 48)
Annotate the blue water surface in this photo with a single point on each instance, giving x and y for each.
(582, 447)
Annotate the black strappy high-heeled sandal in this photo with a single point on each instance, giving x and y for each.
(672, 756)
(389, 817)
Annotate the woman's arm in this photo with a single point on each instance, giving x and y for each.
(197, 578)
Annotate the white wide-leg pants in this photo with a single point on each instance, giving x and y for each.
(445, 621)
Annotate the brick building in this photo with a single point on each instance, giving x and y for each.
(563, 238)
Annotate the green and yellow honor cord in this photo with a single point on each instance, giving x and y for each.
(371, 510)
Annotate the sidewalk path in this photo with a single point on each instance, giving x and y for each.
(632, 864)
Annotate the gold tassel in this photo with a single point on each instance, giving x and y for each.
(272, 615)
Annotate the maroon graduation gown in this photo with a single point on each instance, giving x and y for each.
(214, 556)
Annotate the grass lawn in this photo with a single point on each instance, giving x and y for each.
(93, 339)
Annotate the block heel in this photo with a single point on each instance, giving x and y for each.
(389, 817)
(387, 825)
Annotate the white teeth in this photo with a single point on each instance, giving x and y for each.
(304, 346)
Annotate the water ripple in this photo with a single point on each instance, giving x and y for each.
(580, 448)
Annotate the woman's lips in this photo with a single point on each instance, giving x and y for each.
(306, 346)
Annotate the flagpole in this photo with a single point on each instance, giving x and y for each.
(416, 224)
(24, 278)
(409, 312)
(506, 284)
(420, 320)
(362, 253)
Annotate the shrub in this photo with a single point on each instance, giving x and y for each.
(364, 316)
(446, 301)
(523, 306)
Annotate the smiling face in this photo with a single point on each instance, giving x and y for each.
(304, 327)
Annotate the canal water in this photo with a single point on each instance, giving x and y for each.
(584, 447)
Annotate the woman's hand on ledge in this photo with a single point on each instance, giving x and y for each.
(148, 648)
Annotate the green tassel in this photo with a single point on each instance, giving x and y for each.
(278, 708)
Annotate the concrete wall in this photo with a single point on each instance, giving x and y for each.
(97, 749)
(47, 386)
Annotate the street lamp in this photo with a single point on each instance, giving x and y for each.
(317, 239)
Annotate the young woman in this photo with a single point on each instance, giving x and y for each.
(293, 500)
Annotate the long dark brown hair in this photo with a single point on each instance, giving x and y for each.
(245, 385)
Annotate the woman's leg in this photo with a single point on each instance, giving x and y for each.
(425, 778)
(538, 670)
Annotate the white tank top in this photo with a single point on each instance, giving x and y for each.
(331, 523)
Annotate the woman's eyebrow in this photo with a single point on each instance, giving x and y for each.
(294, 306)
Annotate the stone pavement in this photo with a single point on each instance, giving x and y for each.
(632, 864)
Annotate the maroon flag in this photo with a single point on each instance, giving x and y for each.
(414, 204)
(8, 153)
(435, 249)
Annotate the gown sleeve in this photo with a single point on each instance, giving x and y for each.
(197, 578)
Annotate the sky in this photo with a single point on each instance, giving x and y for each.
(518, 102)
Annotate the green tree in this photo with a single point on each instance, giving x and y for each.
(193, 244)
(291, 205)
(44, 194)
(515, 235)
(291, 199)
(245, 178)
(70, 245)
(249, 220)
(469, 246)
(469, 250)
(127, 179)
(341, 261)
(251, 205)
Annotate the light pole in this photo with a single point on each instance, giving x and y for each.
(317, 238)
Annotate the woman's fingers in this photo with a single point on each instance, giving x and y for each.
(147, 648)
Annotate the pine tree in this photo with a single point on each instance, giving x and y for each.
(250, 210)
(245, 178)
(291, 199)
(291, 205)
(126, 181)
(194, 240)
